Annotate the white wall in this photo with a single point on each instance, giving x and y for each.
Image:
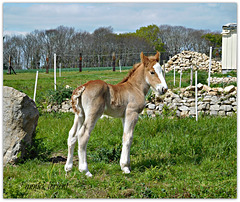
(229, 49)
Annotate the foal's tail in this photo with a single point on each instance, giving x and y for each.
(76, 102)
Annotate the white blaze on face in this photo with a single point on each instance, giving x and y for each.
(157, 68)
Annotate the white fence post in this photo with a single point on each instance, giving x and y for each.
(196, 96)
(35, 88)
(180, 82)
(55, 71)
(174, 79)
(164, 70)
(210, 61)
(191, 76)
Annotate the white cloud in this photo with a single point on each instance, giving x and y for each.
(14, 33)
(123, 17)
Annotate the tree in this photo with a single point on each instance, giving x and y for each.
(32, 49)
(214, 40)
(179, 38)
(151, 34)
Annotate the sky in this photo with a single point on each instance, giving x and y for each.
(22, 18)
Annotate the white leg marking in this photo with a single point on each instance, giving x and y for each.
(83, 137)
(71, 142)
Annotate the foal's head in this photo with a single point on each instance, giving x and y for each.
(153, 73)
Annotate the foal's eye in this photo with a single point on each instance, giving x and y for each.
(152, 72)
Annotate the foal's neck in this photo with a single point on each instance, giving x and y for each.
(138, 81)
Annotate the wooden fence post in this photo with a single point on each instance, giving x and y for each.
(60, 67)
(80, 62)
(120, 66)
(99, 62)
(47, 67)
(10, 68)
(191, 76)
(113, 61)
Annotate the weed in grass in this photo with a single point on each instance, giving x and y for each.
(59, 95)
(107, 155)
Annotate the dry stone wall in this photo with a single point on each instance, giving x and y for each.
(184, 60)
(181, 102)
(219, 80)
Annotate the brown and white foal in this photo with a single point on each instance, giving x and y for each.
(124, 100)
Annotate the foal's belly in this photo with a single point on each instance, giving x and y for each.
(117, 112)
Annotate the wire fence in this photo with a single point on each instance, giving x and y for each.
(123, 61)
(88, 61)
(51, 70)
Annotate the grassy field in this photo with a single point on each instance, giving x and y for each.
(24, 81)
(170, 158)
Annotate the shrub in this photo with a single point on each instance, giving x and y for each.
(59, 95)
(202, 77)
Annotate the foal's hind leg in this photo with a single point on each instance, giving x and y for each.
(72, 138)
(84, 135)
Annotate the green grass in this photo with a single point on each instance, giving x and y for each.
(170, 158)
(24, 81)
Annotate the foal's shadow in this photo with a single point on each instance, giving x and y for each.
(58, 159)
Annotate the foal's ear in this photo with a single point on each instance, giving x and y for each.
(157, 56)
(144, 59)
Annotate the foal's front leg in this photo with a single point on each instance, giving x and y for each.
(129, 123)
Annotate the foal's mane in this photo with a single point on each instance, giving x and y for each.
(130, 73)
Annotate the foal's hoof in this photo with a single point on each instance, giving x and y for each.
(68, 168)
(126, 170)
(88, 174)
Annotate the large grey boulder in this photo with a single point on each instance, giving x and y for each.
(20, 117)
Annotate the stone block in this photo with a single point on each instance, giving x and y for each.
(227, 102)
(221, 113)
(151, 106)
(226, 108)
(207, 98)
(213, 113)
(214, 107)
(183, 108)
(229, 113)
(229, 89)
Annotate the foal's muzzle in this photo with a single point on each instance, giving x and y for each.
(164, 90)
(161, 89)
